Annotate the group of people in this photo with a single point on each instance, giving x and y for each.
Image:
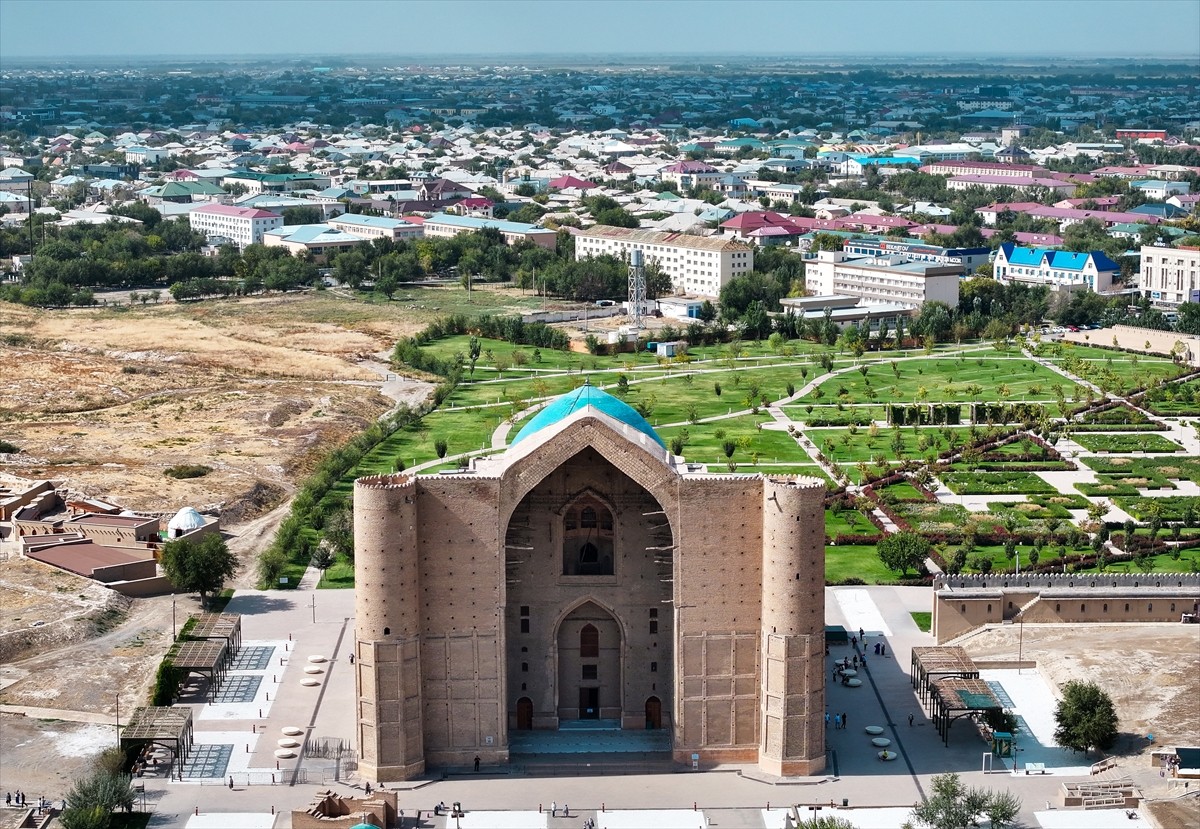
(839, 720)
(19, 800)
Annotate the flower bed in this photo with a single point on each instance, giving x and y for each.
(1127, 443)
(995, 483)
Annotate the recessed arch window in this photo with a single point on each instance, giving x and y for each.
(589, 642)
(588, 539)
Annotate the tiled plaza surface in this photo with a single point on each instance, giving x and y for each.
(879, 794)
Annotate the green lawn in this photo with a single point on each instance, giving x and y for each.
(945, 380)
(1110, 369)
(923, 621)
(857, 561)
(848, 522)
(705, 442)
(338, 576)
(854, 444)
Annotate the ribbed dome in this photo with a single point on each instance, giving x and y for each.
(587, 396)
(186, 520)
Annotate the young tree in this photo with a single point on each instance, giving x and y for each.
(202, 566)
(902, 551)
(1085, 717)
(955, 806)
(339, 530)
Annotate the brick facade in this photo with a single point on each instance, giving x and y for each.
(587, 573)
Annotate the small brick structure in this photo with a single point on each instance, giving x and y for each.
(330, 809)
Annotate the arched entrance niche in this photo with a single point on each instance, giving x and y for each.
(589, 665)
(653, 713)
(524, 714)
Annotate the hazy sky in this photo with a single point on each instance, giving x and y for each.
(80, 28)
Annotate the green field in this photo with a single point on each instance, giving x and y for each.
(680, 399)
(945, 380)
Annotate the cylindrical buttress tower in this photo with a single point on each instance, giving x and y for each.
(791, 737)
(387, 628)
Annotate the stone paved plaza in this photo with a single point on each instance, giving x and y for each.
(878, 793)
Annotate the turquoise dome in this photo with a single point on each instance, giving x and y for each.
(581, 398)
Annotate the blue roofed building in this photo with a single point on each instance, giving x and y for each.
(318, 240)
(377, 227)
(1062, 270)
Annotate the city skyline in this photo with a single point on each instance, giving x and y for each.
(216, 28)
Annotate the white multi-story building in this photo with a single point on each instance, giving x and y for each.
(1171, 276)
(697, 265)
(243, 225)
(376, 227)
(891, 279)
(1062, 270)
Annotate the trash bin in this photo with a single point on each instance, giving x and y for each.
(845, 801)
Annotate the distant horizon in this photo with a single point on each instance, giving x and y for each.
(1137, 30)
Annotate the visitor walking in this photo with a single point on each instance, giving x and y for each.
(837, 722)
(845, 719)
(910, 720)
(553, 808)
(476, 762)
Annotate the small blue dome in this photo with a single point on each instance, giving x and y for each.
(581, 398)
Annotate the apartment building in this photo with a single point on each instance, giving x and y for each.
(242, 225)
(1171, 276)
(892, 279)
(966, 259)
(1060, 269)
(697, 265)
(376, 227)
(446, 226)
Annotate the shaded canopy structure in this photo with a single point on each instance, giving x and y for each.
(947, 681)
(159, 725)
(226, 627)
(209, 659)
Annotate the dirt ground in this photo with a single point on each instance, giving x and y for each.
(1149, 670)
(106, 400)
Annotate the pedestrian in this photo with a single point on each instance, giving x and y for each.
(566, 810)
(882, 649)
(8, 798)
(845, 719)
(367, 788)
(856, 660)
(862, 635)
(877, 649)
(910, 720)
(231, 782)
(553, 809)
(837, 722)
(351, 659)
(854, 641)
(827, 719)
(864, 661)
(476, 762)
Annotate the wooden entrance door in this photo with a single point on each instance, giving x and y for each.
(653, 713)
(524, 714)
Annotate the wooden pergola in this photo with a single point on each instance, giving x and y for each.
(218, 626)
(956, 697)
(948, 684)
(159, 725)
(209, 659)
(929, 664)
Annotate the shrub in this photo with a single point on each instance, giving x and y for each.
(187, 470)
(7, 448)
